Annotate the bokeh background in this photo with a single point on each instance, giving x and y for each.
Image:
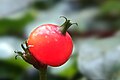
(96, 53)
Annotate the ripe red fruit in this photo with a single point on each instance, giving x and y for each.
(49, 46)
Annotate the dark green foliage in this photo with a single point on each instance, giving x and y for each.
(14, 26)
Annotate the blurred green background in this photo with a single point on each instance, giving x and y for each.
(96, 40)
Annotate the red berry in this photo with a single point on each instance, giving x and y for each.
(49, 46)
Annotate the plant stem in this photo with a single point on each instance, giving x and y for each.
(43, 73)
(64, 27)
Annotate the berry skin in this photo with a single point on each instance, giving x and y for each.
(49, 46)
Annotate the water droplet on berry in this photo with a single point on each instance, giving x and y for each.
(41, 33)
(30, 45)
(56, 39)
(47, 32)
(46, 36)
(53, 32)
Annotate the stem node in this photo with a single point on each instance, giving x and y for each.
(64, 27)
